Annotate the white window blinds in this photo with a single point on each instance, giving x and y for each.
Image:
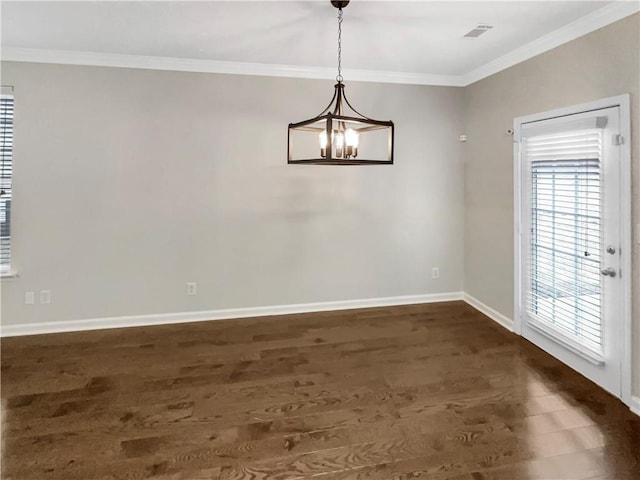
(6, 173)
(565, 236)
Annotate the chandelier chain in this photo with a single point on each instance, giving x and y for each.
(339, 77)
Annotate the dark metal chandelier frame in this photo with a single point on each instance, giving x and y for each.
(335, 119)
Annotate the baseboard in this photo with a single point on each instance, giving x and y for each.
(202, 316)
(494, 315)
(634, 406)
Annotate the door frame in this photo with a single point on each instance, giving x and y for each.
(623, 103)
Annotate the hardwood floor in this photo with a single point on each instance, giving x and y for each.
(435, 392)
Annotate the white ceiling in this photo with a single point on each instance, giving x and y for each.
(419, 37)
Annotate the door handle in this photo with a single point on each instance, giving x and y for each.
(608, 272)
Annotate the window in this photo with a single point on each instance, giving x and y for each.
(564, 255)
(6, 173)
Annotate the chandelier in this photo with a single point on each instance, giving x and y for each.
(340, 135)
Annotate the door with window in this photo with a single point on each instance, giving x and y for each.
(571, 295)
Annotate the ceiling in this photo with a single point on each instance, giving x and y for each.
(417, 38)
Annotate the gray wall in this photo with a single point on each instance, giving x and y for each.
(602, 64)
(129, 183)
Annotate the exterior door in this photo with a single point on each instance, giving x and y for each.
(571, 291)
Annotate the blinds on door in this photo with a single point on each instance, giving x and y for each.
(564, 241)
(6, 173)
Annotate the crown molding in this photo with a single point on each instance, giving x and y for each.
(96, 59)
(593, 21)
(582, 26)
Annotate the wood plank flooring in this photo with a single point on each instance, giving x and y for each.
(435, 392)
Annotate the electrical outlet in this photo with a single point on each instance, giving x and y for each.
(463, 138)
(192, 288)
(29, 298)
(435, 272)
(45, 297)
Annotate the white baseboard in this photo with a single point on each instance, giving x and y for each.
(494, 315)
(634, 406)
(202, 316)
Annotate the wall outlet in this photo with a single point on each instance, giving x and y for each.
(192, 288)
(29, 298)
(435, 272)
(463, 138)
(45, 297)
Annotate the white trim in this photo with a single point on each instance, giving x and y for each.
(517, 227)
(582, 26)
(634, 405)
(601, 104)
(626, 241)
(494, 315)
(567, 342)
(203, 316)
(623, 102)
(69, 57)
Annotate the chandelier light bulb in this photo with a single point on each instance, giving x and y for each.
(339, 142)
(351, 137)
(323, 139)
(351, 140)
(323, 143)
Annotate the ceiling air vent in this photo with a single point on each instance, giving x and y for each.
(479, 30)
